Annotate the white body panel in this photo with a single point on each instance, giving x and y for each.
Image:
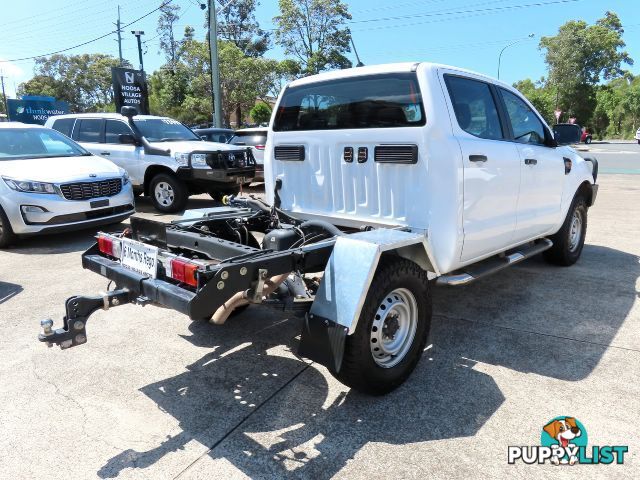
(469, 210)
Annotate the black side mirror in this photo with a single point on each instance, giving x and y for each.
(127, 139)
(567, 133)
(204, 137)
(128, 112)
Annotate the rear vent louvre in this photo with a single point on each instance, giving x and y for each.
(290, 153)
(396, 154)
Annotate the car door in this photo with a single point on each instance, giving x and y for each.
(491, 167)
(124, 155)
(89, 133)
(542, 169)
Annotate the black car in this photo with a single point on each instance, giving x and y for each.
(219, 135)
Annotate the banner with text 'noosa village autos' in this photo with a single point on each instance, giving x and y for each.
(130, 89)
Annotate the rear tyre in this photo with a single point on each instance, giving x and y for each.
(587, 140)
(168, 193)
(569, 240)
(392, 329)
(7, 237)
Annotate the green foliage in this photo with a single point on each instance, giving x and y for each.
(314, 33)
(169, 15)
(579, 57)
(260, 113)
(540, 96)
(84, 81)
(237, 24)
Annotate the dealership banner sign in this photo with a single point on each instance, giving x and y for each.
(130, 89)
(35, 111)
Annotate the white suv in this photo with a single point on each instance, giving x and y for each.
(164, 159)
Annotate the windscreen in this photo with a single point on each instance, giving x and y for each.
(164, 130)
(24, 143)
(373, 101)
(250, 139)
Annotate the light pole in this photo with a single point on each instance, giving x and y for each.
(531, 35)
(138, 34)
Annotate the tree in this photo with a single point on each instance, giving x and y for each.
(540, 96)
(314, 33)
(83, 81)
(579, 56)
(260, 113)
(169, 15)
(237, 24)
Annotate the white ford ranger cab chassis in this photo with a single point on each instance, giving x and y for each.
(382, 181)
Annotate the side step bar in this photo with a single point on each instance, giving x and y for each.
(491, 265)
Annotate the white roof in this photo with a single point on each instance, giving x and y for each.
(19, 125)
(253, 130)
(385, 68)
(115, 116)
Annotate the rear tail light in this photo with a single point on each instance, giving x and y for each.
(109, 245)
(259, 147)
(184, 271)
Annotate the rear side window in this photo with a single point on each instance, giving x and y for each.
(372, 101)
(89, 131)
(251, 139)
(527, 127)
(113, 129)
(64, 126)
(475, 107)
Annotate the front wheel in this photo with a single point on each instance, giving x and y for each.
(392, 329)
(168, 193)
(569, 240)
(7, 237)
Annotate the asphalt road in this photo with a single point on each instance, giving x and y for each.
(153, 395)
(615, 156)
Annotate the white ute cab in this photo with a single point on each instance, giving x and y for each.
(164, 158)
(381, 181)
(48, 183)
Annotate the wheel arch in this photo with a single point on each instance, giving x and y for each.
(151, 172)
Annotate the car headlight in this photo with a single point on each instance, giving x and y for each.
(199, 160)
(29, 186)
(182, 158)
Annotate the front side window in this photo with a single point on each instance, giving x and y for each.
(25, 143)
(114, 129)
(64, 126)
(527, 127)
(475, 108)
(164, 130)
(372, 101)
(89, 130)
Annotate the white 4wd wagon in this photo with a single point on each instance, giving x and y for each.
(163, 158)
(382, 181)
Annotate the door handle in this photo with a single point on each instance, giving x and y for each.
(105, 153)
(530, 161)
(477, 158)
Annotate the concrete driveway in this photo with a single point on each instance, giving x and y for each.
(153, 395)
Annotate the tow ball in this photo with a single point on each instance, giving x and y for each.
(79, 309)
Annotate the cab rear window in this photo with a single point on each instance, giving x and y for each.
(372, 101)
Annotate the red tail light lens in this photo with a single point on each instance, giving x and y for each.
(105, 245)
(184, 272)
(259, 147)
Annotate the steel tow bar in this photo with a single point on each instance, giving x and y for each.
(79, 309)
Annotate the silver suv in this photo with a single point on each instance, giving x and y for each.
(164, 158)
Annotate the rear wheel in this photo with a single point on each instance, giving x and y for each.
(587, 140)
(569, 240)
(168, 193)
(7, 237)
(392, 329)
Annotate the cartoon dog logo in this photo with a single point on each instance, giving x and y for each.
(564, 430)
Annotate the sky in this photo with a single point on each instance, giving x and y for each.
(464, 33)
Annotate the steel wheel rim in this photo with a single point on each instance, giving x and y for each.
(164, 193)
(575, 231)
(394, 328)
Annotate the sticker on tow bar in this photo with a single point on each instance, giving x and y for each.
(139, 257)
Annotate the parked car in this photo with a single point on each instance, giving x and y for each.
(164, 159)
(404, 176)
(637, 137)
(586, 136)
(49, 183)
(256, 138)
(218, 135)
